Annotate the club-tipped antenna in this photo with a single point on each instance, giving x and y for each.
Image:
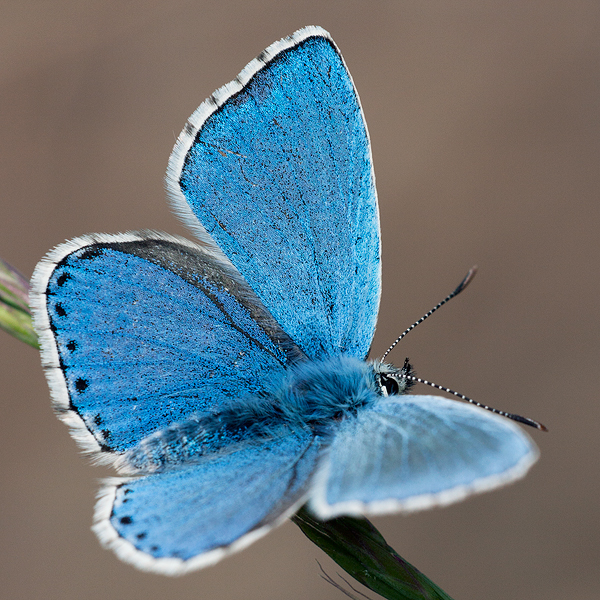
(463, 284)
(518, 418)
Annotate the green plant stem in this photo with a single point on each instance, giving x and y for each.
(15, 316)
(357, 546)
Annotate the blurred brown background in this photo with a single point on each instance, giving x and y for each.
(485, 125)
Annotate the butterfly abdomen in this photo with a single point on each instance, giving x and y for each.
(201, 435)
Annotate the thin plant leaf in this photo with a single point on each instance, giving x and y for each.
(15, 316)
(325, 576)
(355, 544)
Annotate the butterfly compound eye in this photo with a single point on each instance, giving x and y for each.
(389, 385)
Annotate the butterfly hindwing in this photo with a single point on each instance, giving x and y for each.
(276, 167)
(191, 516)
(139, 330)
(413, 452)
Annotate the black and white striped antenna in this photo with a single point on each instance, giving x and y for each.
(407, 374)
(463, 284)
(513, 417)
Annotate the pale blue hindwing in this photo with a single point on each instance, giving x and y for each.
(276, 167)
(414, 452)
(139, 330)
(191, 516)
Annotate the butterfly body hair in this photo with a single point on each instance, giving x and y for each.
(309, 395)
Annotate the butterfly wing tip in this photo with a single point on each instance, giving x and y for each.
(309, 31)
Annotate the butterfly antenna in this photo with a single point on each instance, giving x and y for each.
(511, 416)
(463, 284)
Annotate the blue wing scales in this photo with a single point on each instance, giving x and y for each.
(138, 331)
(276, 167)
(413, 452)
(188, 517)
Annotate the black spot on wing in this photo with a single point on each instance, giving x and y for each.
(62, 279)
(81, 384)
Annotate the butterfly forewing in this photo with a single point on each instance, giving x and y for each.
(140, 330)
(276, 167)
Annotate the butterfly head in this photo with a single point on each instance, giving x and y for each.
(392, 381)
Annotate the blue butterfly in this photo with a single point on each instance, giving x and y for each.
(227, 379)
